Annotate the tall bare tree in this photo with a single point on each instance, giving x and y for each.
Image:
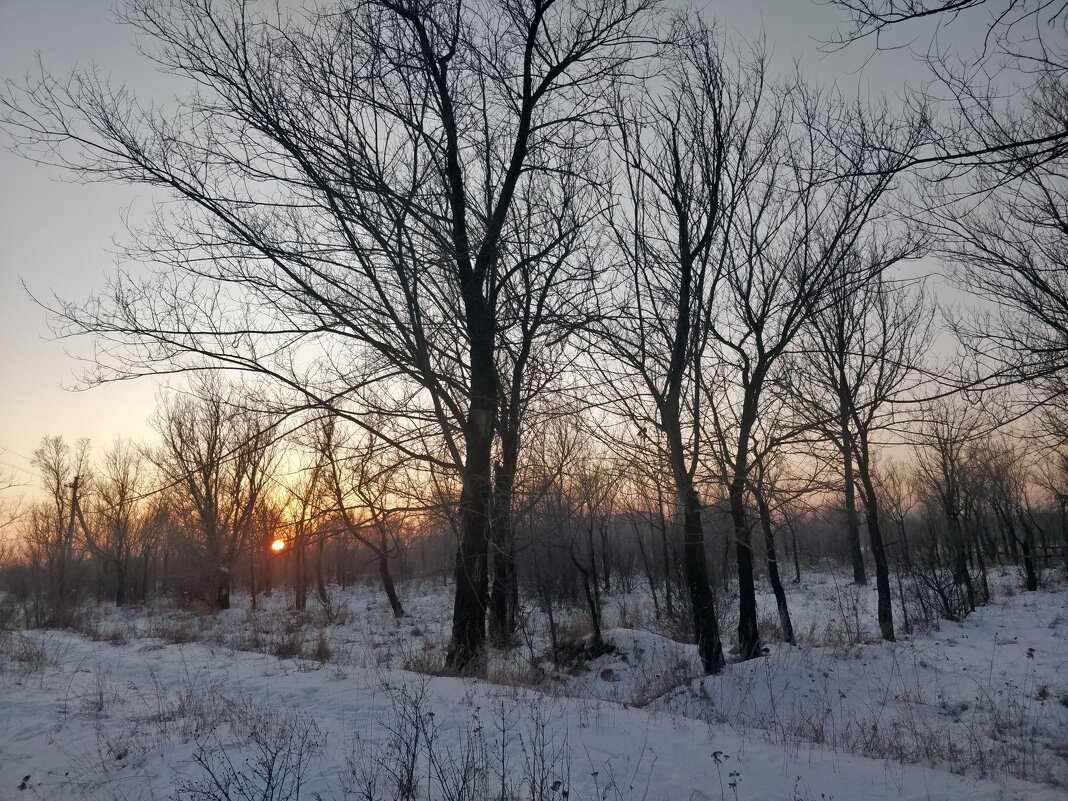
(346, 176)
(820, 195)
(367, 499)
(863, 355)
(217, 456)
(688, 154)
(52, 542)
(121, 519)
(943, 463)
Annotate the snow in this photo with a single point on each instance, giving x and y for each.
(957, 713)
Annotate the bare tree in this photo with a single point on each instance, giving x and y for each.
(1005, 92)
(121, 520)
(688, 154)
(819, 197)
(943, 463)
(347, 177)
(217, 456)
(362, 478)
(863, 356)
(995, 199)
(51, 535)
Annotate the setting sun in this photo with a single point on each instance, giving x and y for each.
(278, 546)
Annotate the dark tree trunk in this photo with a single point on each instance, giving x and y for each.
(748, 632)
(1063, 503)
(669, 565)
(300, 586)
(143, 592)
(705, 622)
(502, 548)
(885, 612)
(856, 554)
(647, 567)
(961, 573)
(252, 575)
(773, 568)
(320, 581)
(797, 559)
(222, 589)
(1027, 549)
(904, 542)
(468, 640)
(606, 561)
(387, 580)
(591, 588)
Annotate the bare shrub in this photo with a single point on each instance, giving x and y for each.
(518, 750)
(258, 754)
(22, 655)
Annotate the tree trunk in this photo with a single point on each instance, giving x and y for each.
(387, 582)
(591, 589)
(222, 589)
(606, 561)
(142, 594)
(856, 555)
(468, 641)
(705, 622)
(1027, 549)
(885, 612)
(669, 566)
(300, 587)
(773, 568)
(120, 582)
(961, 573)
(647, 567)
(252, 574)
(904, 541)
(502, 547)
(748, 632)
(797, 559)
(1064, 533)
(320, 581)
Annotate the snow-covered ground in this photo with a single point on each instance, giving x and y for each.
(164, 704)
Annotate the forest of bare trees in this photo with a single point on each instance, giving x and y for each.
(552, 299)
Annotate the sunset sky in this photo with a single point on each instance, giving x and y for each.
(58, 236)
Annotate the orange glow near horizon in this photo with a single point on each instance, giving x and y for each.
(278, 546)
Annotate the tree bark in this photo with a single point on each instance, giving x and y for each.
(467, 645)
(773, 568)
(502, 548)
(387, 580)
(875, 536)
(856, 554)
(748, 632)
(705, 622)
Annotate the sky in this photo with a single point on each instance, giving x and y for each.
(60, 237)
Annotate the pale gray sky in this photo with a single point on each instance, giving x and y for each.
(57, 236)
